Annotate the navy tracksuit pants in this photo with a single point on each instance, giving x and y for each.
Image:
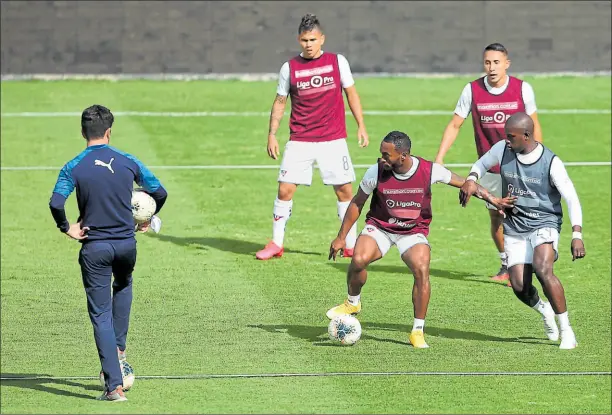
(110, 315)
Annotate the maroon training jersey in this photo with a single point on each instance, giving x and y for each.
(402, 206)
(490, 112)
(317, 106)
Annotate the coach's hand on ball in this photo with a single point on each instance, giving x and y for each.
(143, 227)
(337, 245)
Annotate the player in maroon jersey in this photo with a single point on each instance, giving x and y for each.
(492, 99)
(315, 81)
(400, 214)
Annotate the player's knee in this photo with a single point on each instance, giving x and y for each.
(517, 286)
(359, 262)
(286, 191)
(344, 192)
(421, 271)
(543, 269)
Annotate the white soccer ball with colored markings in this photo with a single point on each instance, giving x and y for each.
(127, 371)
(143, 206)
(345, 329)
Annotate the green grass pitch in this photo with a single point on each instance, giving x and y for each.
(204, 305)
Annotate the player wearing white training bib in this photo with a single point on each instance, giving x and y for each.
(519, 246)
(533, 175)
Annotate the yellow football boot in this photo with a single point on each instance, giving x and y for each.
(344, 309)
(417, 339)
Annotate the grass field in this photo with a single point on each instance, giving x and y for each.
(204, 305)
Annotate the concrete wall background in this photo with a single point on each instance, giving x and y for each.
(252, 37)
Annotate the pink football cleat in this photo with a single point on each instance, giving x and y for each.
(271, 250)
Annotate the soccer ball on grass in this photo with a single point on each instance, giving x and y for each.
(127, 371)
(344, 329)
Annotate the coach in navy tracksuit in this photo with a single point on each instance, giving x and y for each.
(103, 178)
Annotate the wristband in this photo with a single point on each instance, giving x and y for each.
(577, 235)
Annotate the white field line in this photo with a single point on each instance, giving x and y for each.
(274, 166)
(321, 374)
(575, 111)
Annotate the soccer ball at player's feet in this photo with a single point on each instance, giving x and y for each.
(127, 371)
(344, 329)
(347, 252)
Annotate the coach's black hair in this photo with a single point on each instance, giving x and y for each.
(400, 141)
(497, 47)
(95, 120)
(309, 23)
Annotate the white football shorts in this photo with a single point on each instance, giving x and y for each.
(493, 183)
(519, 248)
(332, 158)
(386, 240)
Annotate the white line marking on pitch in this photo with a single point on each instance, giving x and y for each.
(266, 114)
(273, 166)
(322, 374)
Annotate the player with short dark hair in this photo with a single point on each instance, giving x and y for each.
(400, 214)
(103, 178)
(315, 81)
(491, 99)
(537, 177)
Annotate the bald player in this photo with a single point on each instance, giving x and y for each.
(537, 177)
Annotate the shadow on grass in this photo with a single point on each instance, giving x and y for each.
(433, 272)
(319, 337)
(236, 246)
(25, 381)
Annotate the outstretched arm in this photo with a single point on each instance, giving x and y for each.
(441, 174)
(352, 215)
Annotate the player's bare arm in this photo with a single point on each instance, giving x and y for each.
(276, 115)
(354, 103)
(448, 138)
(470, 188)
(351, 216)
(537, 128)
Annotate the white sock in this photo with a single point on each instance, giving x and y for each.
(419, 324)
(564, 323)
(351, 237)
(281, 213)
(354, 299)
(540, 307)
(504, 259)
